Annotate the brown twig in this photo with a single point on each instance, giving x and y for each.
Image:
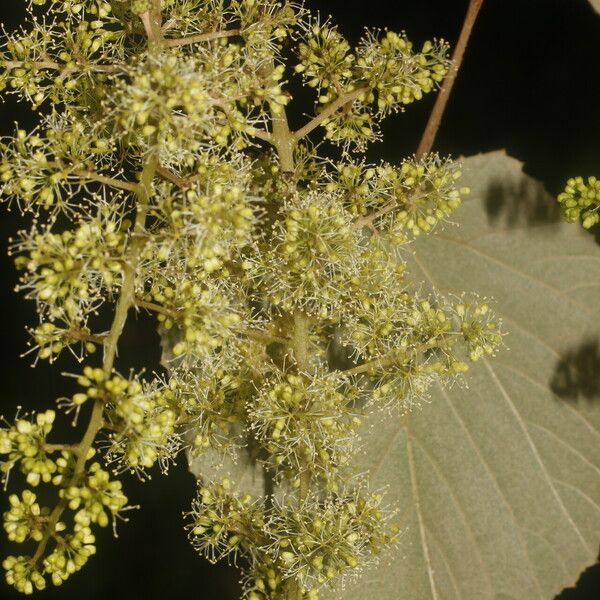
(82, 336)
(165, 173)
(437, 113)
(157, 308)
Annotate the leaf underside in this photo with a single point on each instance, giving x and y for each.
(498, 484)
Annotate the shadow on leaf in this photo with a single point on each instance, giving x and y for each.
(577, 373)
(514, 205)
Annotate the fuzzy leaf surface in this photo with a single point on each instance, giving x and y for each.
(498, 483)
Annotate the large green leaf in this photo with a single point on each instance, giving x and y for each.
(498, 484)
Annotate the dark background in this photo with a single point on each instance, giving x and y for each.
(530, 84)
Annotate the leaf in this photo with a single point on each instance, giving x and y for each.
(596, 5)
(246, 474)
(498, 484)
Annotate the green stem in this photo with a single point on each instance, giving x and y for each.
(109, 181)
(305, 478)
(329, 111)
(253, 334)
(201, 37)
(392, 356)
(301, 341)
(125, 302)
(283, 140)
(82, 336)
(60, 447)
(56, 66)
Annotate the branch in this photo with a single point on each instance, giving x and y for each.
(60, 447)
(183, 182)
(82, 336)
(392, 356)
(254, 334)
(126, 299)
(121, 184)
(381, 361)
(55, 66)
(266, 338)
(200, 37)
(224, 105)
(367, 220)
(437, 113)
(116, 183)
(262, 135)
(327, 112)
(157, 308)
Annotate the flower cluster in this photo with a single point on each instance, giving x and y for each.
(70, 554)
(205, 313)
(324, 540)
(213, 401)
(300, 548)
(310, 252)
(58, 58)
(165, 95)
(24, 442)
(326, 60)
(581, 200)
(382, 75)
(479, 328)
(395, 73)
(96, 499)
(70, 274)
(406, 200)
(142, 420)
(306, 420)
(146, 426)
(46, 170)
(206, 224)
(92, 499)
(50, 340)
(164, 177)
(221, 521)
(23, 575)
(24, 519)
(427, 193)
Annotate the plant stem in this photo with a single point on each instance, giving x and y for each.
(201, 37)
(305, 477)
(392, 357)
(157, 308)
(301, 341)
(82, 336)
(437, 113)
(328, 112)
(60, 447)
(254, 334)
(283, 140)
(125, 302)
(169, 175)
(120, 184)
(56, 66)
